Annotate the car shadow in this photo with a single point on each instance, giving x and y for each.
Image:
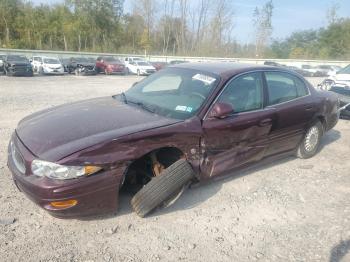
(329, 137)
(339, 251)
(203, 191)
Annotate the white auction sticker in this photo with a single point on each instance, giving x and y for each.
(204, 78)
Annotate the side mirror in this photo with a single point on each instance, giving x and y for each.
(221, 110)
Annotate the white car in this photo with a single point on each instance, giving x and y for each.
(47, 65)
(128, 60)
(140, 68)
(2, 57)
(342, 77)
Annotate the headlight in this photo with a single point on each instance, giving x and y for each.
(55, 171)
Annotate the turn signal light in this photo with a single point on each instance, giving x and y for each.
(64, 204)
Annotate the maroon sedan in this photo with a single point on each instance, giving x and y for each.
(184, 124)
(110, 65)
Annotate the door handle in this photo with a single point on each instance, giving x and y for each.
(265, 122)
(309, 108)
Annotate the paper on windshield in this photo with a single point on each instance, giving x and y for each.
(204, 78)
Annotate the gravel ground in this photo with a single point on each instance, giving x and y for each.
(290, 210)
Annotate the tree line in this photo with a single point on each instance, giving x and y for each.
(163, 27)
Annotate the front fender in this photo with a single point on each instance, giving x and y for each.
(121, 151)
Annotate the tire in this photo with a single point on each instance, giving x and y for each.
(162, 187)
(311, 141)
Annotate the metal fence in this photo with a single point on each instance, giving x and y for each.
(64, 54)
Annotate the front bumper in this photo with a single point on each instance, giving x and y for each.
(97, 194)
(51, 71)
(19, 71)
(115, 70)
(86, 71)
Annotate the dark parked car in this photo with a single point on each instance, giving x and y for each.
(110, 65)
(185, 123)
(343, 92)
(300, 71)
(272, 63)
(81, 66)
(17, 65)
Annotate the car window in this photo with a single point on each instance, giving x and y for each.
(244, 93)
(283, 87)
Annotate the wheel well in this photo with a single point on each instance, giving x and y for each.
(141, 170)
(323, 121)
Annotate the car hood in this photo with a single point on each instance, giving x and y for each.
(18, 63)
(53, 65)
(341, 77)
(57, 132)
(146, 67)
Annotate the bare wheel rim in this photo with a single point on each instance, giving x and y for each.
(311, 139)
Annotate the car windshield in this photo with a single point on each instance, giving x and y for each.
(345, 70)
(18, 58)
(111, 59)
(142, 63)
(51, 61)
(173, 92)
(80, 59)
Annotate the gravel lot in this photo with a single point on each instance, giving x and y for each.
(290, 210)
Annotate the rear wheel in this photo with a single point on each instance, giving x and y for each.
(311, 142)
(163, 189)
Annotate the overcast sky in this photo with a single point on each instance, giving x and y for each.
(288, 15)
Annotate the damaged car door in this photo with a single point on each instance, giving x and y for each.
(233, 139)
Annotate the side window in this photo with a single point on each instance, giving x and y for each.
(301, 88)
(283, 87)
(244, 93)
(99, 58)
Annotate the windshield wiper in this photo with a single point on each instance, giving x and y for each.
(143, 106)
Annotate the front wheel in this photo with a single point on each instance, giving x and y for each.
(311, 142)
(164, 188)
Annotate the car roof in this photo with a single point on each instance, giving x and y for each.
(223, 68)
